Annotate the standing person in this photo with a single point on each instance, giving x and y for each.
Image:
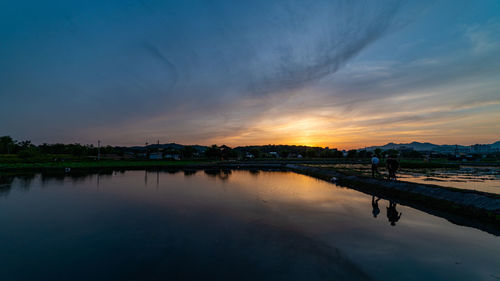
(375, 162)
(392, 165)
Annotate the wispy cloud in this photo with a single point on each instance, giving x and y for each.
(235, 72)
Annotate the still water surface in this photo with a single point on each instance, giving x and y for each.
(480, 178)
(232, 225)
(486, 179)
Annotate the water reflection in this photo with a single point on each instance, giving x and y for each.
(254, 172)
(5, 184)
(23, 182)
(376, 209)
(189, 172)
(263, 226)
(222, 174)
(480, 178)
(392, 214)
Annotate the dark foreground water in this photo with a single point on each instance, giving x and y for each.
(235, 225)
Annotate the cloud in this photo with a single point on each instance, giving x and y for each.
(484, 38)
(235, 72)
(128, 61)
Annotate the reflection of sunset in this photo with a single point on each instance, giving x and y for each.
(240, 188)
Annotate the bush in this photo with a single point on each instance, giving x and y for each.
(29, 152)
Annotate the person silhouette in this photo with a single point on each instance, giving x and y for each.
(392, 214)
(392, 165)
(376, 209)
(375, 162)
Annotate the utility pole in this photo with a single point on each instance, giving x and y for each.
(98, 150)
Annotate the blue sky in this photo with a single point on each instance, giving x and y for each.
(331, 73)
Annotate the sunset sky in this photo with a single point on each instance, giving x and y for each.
(343, 74)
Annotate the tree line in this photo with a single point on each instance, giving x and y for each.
(26, 149)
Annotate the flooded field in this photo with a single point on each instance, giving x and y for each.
(225, 225)
(479, 178)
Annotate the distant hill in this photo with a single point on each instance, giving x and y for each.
(418, 146)
(495, 145)
(426, 146)
(280, 147)
(167, 146)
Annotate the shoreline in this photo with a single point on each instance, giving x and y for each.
(463, 207)
(108, 163)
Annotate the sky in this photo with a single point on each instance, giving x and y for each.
(344, 74)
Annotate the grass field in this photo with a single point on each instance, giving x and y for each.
(98, 164)
(13, 162)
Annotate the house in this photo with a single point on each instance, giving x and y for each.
(155, 155)
(141, 155)
(172, 156)
(274, 154)
(480, 148)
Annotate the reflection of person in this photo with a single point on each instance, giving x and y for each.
(392, 165)
(375, 162)
(392, 214)
(375, 207)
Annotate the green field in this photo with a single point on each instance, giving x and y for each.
(48, 161)
(98, 164)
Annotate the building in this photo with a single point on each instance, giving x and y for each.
(274, 154)
(480, 148)
(172, 156)
(155, 155)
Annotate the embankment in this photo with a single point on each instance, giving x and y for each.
(463, 207)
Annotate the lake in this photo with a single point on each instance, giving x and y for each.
(225, 225)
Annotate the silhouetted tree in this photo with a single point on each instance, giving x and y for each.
(284, 153)
(7, 145)
(391, 152)
(310, 153)
(255, 152)
(363, 154)
(188, 151)
(411, 154)
(29, 152)
(352, 153)
(228, 153)
(213, 152)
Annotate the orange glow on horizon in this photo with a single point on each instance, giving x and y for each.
(353, 134)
